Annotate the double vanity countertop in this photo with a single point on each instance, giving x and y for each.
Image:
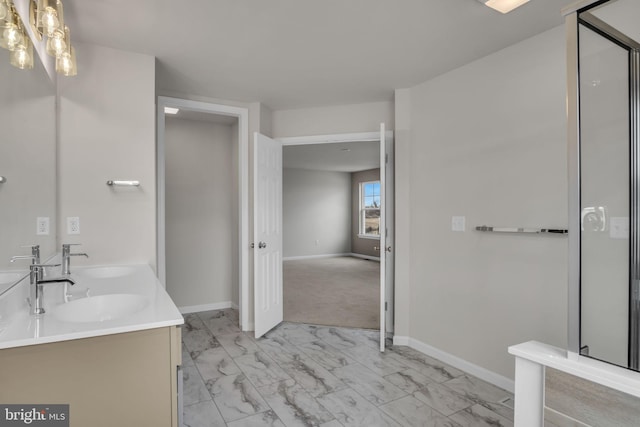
(105, 300)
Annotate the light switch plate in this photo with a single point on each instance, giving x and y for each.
(458, 223)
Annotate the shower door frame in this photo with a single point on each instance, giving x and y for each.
(579, 15)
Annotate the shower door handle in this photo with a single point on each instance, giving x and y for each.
(262, 245)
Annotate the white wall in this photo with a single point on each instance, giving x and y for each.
(107, 131)
(201, 218)
(488, 141)
(316, 212)
(332, 120)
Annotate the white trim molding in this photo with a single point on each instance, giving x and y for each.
(205, 307)
(464, 365)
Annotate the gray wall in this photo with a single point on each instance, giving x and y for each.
(201, 216)
(107, 130)
(316, 213)
(359, 245)
(487, 141)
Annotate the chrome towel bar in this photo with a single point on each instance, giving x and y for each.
(522, 230)
(124, 183)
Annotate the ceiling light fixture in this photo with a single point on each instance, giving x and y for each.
(171, 110)
(503, 6)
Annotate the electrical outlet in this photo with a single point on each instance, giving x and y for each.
(73, 225)
(42, 225)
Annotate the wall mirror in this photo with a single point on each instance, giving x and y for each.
(27, 165)
(609, 164)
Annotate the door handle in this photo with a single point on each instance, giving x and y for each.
(375, 248)
(262, 245)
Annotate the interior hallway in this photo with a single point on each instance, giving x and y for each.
(306, 375)
(337, 291)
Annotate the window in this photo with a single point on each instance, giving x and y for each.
(370, 209)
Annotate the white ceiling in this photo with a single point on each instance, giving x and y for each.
(295, 53)
(335, 157)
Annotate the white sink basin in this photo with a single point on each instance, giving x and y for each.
(105, 272)
(100, 308)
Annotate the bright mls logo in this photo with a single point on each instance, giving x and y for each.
(34, 415)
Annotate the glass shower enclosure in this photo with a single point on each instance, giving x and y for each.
(607, 162)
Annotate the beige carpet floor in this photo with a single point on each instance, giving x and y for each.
(340, 291)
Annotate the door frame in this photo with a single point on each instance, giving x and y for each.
(357, 137)
(242, 114)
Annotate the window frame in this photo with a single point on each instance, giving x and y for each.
(362, 234)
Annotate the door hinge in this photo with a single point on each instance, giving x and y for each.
(386, 304)
(386, 158)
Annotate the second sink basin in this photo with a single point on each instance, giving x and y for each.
(100, 308)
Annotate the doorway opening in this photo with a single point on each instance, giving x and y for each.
(202, 174)
(384, 140)
(331, 234)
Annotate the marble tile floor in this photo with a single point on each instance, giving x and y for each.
(306, 375)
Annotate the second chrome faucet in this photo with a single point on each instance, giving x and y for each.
(66, 257)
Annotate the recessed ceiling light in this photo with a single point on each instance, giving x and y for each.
(503, 6)
(170, 110)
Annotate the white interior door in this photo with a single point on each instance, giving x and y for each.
(390, 232)
(267, 233)
(383, 233)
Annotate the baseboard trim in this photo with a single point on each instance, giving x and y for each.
(205, 307)
(293, 258)
(235, 306)
(464, 365)
(400, 340)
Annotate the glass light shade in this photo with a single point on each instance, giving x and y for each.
(22, 56)
(50, 17)
(4, 10)
(66, 63)
(58, 42)
(11, 36)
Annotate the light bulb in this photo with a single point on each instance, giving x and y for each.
(66, 63)
(22, 57)
(50, 22)
(12, 36)
(56, 44)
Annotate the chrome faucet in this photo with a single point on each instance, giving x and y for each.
(34, 257)
(36, 282)
(66, 257)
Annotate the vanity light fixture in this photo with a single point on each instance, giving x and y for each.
(47, 20)
(171, 110)
(503, 6)
(14, 38)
